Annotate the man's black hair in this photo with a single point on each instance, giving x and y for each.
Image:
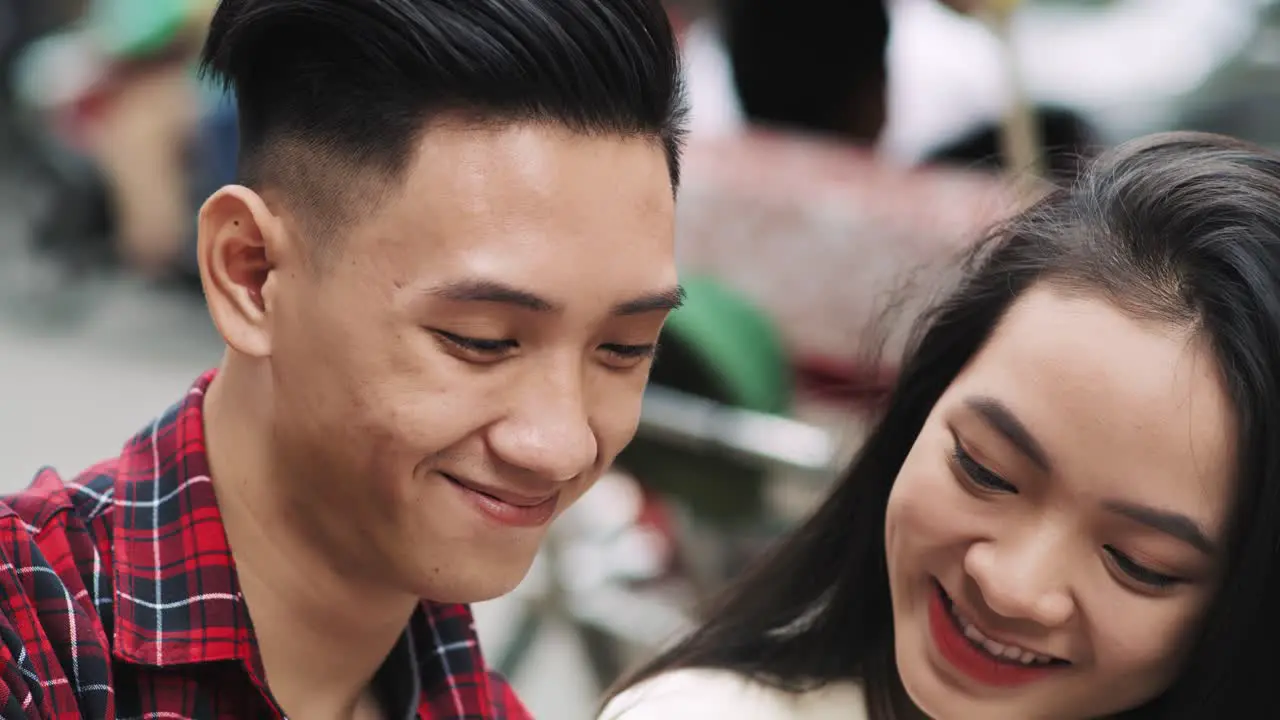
(333, 94)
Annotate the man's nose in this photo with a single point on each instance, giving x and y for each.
(547, 430)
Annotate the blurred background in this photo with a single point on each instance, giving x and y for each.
(842, 152)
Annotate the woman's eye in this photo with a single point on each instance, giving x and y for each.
(979, 474)
(1140, 573)
(480, 346)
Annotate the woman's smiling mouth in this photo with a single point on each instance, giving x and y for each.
(979, 657)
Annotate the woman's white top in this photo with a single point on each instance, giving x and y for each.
(712, 694)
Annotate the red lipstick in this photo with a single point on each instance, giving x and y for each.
(972, 661)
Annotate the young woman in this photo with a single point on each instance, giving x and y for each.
(1071, 507)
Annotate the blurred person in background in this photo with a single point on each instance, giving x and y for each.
(821, 67)
(154, 132)
(1071, 506)
(813, 65)
(440, 285)
(120, 88)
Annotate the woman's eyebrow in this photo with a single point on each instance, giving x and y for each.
(1000, 418)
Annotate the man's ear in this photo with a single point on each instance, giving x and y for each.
(241, 243)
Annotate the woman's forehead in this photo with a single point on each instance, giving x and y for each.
(1123, 408)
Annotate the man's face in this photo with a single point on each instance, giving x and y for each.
(473, 354)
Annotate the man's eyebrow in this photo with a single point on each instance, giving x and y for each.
(493, 291)
(1001, 419)
(663, 300)
(1173, 524)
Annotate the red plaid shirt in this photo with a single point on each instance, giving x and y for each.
(121, 601)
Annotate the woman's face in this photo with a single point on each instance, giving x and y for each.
(1054, 536)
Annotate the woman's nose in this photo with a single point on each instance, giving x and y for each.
(1022, 580)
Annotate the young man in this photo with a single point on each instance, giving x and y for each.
(440, 287)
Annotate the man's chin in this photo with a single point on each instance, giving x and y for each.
(474, 584)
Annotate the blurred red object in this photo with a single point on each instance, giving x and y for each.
(863, 388)
(839, 246)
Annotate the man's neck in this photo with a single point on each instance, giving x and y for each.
(322, 636)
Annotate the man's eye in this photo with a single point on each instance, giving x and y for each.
(631, 352)
(483, 346)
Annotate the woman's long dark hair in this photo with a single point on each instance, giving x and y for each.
(1182, 228)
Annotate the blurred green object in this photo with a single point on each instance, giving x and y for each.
(734, 340)
(722, 347)
(139, 28)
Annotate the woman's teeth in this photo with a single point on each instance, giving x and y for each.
(1011, 653)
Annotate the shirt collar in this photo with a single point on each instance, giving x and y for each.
(177, 599)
